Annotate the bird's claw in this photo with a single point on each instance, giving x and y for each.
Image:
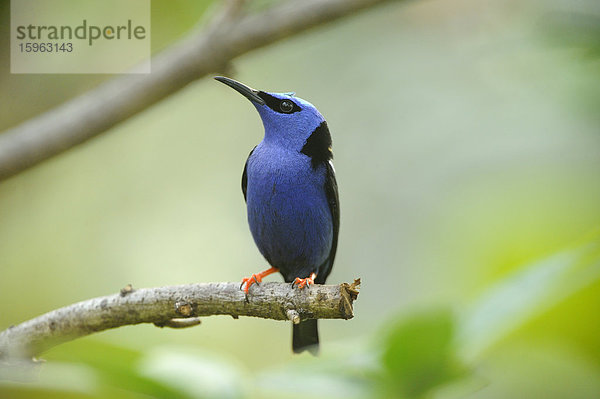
(253, 279)
(256, 279)
(304, 282)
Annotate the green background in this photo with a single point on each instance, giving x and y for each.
(467, 148)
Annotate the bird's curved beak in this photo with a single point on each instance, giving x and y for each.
(241, 88)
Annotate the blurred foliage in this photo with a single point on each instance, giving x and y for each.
(575, 26)
(467, 151)
(421, 355)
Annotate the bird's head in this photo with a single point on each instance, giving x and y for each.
(288, 120)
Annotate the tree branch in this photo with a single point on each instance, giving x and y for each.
(210, 50)
(177, 307)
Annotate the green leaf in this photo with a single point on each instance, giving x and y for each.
(527, 293)
(115, 367)
(419, 354)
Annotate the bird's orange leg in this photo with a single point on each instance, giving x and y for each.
(304, 282)
(256, 278)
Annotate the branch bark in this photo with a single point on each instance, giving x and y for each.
(230, 35)
(177, 307)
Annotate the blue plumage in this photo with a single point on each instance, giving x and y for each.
(291, 195)
(287, 207)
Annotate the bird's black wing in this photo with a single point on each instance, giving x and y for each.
(331, 192)
(245, 175)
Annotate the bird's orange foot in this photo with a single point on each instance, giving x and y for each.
(256, 278)
(248, 281)
(304, 282)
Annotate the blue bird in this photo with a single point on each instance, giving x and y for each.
(291, 196)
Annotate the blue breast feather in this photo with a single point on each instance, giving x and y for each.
(288, 211)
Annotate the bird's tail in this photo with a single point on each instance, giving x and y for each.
(305, 337)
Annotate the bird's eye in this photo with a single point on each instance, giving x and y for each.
(286, 106)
